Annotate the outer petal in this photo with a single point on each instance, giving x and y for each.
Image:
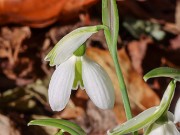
(65, 48)
(160, 122)
(61, 84)
(167, 128)
(97, 84)
(170, 116)
(177, 111)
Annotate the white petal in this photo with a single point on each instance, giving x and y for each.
(61, 84)
(177, 111)
(97, 84)
(170, 116)
(167, 128)
(157, 130)
(65, 48)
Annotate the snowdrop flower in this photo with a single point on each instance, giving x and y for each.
(74, 69)
(152, 117)
(167, 128)
(177, 111)
(155, 120)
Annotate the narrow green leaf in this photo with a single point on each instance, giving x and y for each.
(163, 72)
(66, 122)
(140, 121)
(147, 117)
(168, 95)
(67, 126)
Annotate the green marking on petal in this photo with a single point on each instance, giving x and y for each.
(78, 74)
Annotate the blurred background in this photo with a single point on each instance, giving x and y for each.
(149, 37)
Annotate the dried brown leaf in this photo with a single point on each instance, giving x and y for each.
(7, 127)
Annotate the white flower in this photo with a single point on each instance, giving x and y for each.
(73, 69)
(177, 112)
(96, 83)
(165, 128)
(149, 117)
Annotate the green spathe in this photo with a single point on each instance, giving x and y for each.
(67, 126)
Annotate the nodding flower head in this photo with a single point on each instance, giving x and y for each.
(74, 69)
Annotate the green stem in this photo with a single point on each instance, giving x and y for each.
(122, 85)
(110, 18)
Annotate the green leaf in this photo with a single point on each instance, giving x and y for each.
(110, 19)
(168, 95)
(67, 126)
(163, 72)
(147, 117)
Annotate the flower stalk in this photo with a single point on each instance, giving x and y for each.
(110, 18)
(122, 86)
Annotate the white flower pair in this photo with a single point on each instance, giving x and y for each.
(74, 69)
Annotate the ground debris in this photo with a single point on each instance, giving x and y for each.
(7, 127)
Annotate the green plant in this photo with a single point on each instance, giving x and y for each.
(74, 69)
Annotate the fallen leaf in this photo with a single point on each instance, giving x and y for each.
(7, 127)
(137, 52)
(41, 13)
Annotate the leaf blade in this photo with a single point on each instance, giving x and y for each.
(163, 72)
(67, 126)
